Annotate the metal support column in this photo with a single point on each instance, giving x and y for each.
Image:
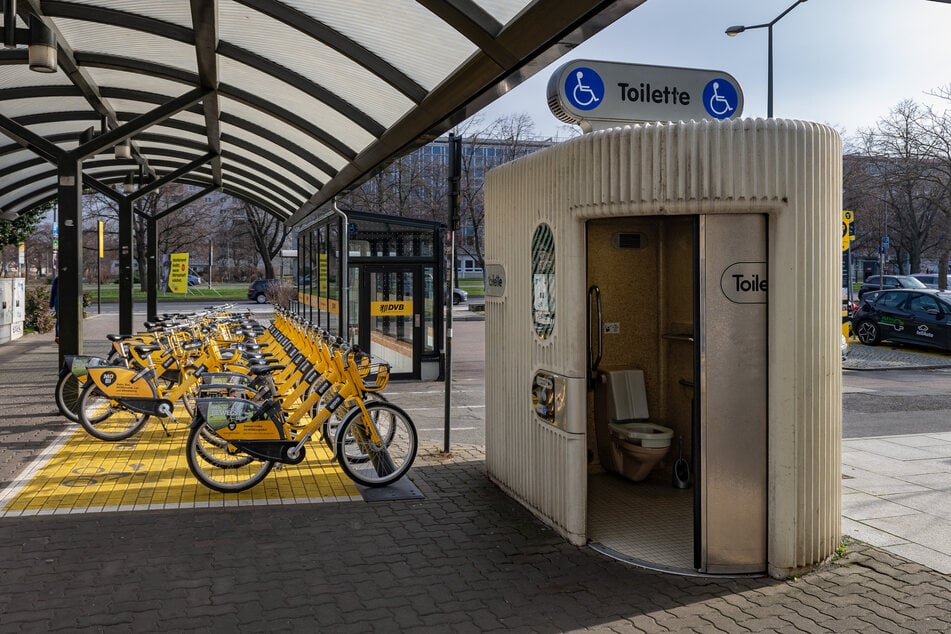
(70, 272)
(152, 281)
(125, 266)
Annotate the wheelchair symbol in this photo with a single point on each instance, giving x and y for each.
(718, 104)
(583, 95)
(584, 89)
(720, 99)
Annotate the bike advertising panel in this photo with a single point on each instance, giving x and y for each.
(598, 95)
(178, 273)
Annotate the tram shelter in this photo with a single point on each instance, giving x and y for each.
(379, 281)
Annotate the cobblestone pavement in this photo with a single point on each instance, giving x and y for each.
(465, 558)
(887, 357)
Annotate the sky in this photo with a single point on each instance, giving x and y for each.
(845, 63)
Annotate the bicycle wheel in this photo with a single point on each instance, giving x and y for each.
(215, 450)
(219, 468)
(332, 424)
(376, 464)
(68, 389)
(106, 419)
(189, 400)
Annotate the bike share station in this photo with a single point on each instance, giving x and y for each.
(663, 378)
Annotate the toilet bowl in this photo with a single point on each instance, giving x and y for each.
(636, 448)
(636, 443)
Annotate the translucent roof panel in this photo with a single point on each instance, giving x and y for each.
(245, 158)
(502, 10)
(176, 12)
(402, 32)
(289, 98)
(12, 76)
(20, 107)
(281, 130)
(93, 37)
(294, 100)
(270, 146)
(127, 80)
(327, 68)
(16, 157)
(38, 186)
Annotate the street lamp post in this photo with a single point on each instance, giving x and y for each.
(736, 30)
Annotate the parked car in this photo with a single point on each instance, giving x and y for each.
(193, 280)
(257, 290)
(875, 282)
(459, 296)
(912, 316)
(928, 279)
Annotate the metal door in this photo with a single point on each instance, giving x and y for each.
(733, 394)
(390, 316)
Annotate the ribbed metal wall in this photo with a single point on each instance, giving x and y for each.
(789, 170)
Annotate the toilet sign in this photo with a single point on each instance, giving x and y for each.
(745, 283)
(598, 95)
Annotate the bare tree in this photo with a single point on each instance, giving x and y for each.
(484, 147)
(397, 190)
(416, 185)
(268, 234)
(937, 142)
(902, 181)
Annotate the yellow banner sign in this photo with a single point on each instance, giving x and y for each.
(398, 308)
(848, 229)
(178, 273)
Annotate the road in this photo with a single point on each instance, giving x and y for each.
(879, 403)
(893, 402)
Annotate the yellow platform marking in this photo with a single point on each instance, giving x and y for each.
(80, 474)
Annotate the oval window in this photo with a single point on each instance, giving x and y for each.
(543, 281)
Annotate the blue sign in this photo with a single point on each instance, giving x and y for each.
(584, 88)
(720, 98)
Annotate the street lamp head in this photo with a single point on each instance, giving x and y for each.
(735, 30)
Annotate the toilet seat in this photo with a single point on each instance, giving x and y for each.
(645, 434)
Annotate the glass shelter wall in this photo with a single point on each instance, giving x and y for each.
(395, 286)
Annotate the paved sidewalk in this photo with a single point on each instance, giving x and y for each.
(465, 558)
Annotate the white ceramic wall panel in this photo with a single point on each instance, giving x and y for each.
(789, 170)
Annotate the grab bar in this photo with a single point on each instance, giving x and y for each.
(594, 293)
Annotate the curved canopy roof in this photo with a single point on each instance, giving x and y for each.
(282, 103)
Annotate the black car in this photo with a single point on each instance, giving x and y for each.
(885, 282)
(257, 290)
(912, 316)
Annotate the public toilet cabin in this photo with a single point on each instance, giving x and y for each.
(703, 257)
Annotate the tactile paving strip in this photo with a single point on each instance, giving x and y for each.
(80, 474)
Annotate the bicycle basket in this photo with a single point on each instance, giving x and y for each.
(375, 376)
